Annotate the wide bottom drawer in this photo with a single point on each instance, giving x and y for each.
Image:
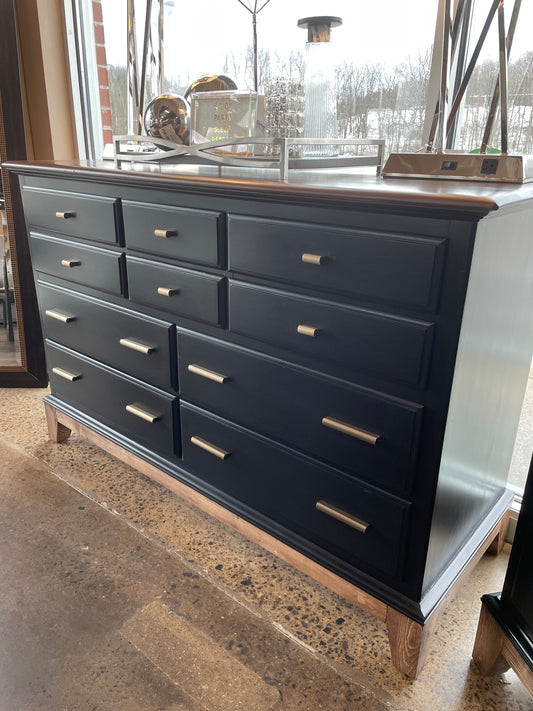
(346, 518)
(138, 411)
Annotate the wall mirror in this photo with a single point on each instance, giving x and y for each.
(22, 361)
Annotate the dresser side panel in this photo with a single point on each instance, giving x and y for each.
(492, 367)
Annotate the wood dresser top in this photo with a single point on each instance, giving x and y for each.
(358, 187)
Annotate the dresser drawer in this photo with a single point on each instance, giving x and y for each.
(91, 266)
(90, 217)
(287, 489)
(385, 267)
(365, 433)
(139, 345)
(143, 414)
(191, 235)
(358, 339)
(179, 291)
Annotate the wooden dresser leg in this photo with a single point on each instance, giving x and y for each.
(409, 642)
(496, 546)
(489, 644)
(56, 431)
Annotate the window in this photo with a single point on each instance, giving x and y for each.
(383, 67)
(382, 73)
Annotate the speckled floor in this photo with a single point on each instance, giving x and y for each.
(117, 594)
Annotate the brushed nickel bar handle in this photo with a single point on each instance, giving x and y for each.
(167, 291)
(211, 448)
(307, 330)
(134, 345)
(205, 373)
(65, 215)
(70, 263)
(345, 428)
(165, 233)
(313, 258)
(66, 375)
(135, 409)
(60, 316)
(342, 516)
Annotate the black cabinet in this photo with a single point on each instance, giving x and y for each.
(505, 631)
(328, 365)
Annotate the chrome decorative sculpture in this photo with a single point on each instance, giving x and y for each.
(252, 7)
(167, 116)
(438, 160)
(151, 64)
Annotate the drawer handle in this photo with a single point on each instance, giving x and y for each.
(211, 448)
(342, 516)
(137, 346)
(60, 316)
(345, 428)
(142, 413)
(165, 233)
(307, 330)
(70, 263)
(65, 215)
(166, 291)
(66, 375)
(313, 258)
(205, 373)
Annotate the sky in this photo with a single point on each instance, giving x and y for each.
(199, 33)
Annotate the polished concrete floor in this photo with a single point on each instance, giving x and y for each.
(117, 594)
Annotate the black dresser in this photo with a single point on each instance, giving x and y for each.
(334, 365)
(505, 631)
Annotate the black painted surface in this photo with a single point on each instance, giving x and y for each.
(93, 266)
(360, 339)
(286, 488)
(517, 595)
(112, 323)
(92, 217)
(197, 296)
(103, 392)
(288, 404)
(397, 336)
(193, 235)
(384, 267)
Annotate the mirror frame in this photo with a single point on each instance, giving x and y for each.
(32, 370)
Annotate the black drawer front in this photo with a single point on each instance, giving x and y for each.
(191, 235)
(150, 419)
(91, 217)
(139, 345)
(358, 339)
(384, 267)
(371, 436)
(286, 488)
(91, 266)
(179, 291)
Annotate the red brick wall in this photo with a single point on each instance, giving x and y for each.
(103, 80)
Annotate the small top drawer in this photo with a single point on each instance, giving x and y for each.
(182, 233)
(92, 266)
(327, 333)
(85, 216)
(179, 291)
(139, 345)
(383, 267)
(363, 432)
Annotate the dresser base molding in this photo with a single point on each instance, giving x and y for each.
(409, 640)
